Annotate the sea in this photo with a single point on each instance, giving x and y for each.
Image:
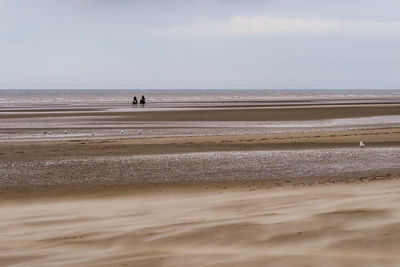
(15, 97)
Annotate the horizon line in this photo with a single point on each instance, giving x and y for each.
(200, 88)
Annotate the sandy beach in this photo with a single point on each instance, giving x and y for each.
(216, 133)
(321, 225)
(252, 184)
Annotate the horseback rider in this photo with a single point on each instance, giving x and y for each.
(134, 102)
(142, 101)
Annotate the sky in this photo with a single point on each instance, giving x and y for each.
(232, 44)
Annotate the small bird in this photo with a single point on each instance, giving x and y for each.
(362, 144)
(139, 132)
(50, 133)
(44, 132)
(122, 131)
(65, 132)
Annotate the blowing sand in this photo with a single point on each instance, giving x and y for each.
(322, 225)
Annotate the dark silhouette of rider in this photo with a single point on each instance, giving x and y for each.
(142, 101)
(134, 102)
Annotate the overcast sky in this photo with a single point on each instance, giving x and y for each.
(200, 44)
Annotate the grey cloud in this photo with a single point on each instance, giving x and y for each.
(126, 44)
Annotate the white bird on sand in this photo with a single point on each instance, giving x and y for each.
(362, 144)
(139, 132)
(50, 133)
(65, 132)
(122, 131)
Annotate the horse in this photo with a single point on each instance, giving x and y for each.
(142, 102)
(134, 102)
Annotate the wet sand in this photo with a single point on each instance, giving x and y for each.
(37, 150)
(219, 112)
(242, 195)
(105, 122)
(29, 167)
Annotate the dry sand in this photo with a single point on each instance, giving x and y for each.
(355, 224)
